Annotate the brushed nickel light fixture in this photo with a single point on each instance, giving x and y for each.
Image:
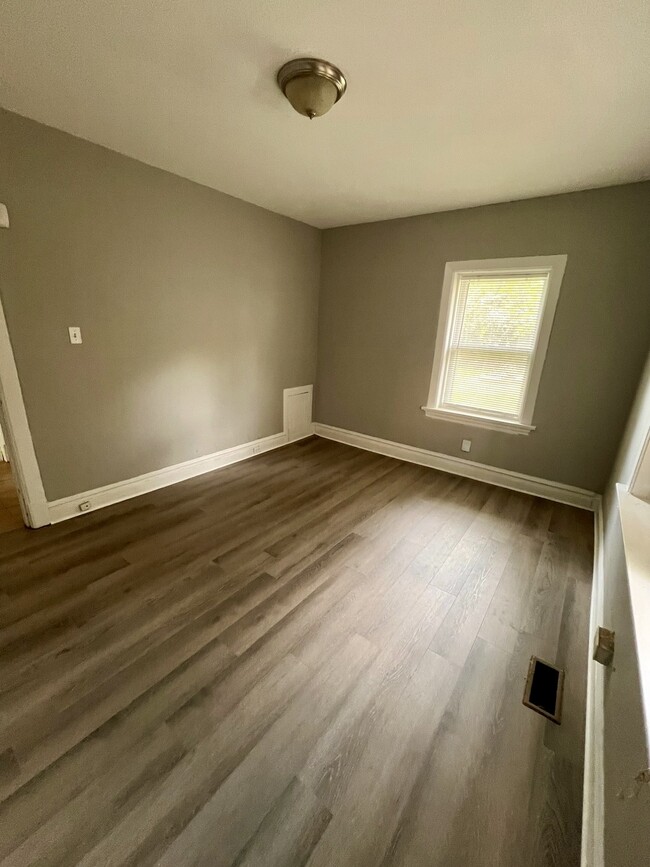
(312, 86)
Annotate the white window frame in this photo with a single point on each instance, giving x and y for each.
(454, 271)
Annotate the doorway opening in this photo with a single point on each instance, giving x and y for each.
(20, 476)
(11, 516)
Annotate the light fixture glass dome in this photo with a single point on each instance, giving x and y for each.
(312, 86)
(311, 95)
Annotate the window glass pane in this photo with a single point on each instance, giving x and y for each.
(490, 352)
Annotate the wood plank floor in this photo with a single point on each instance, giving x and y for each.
(10, 514)
(315, 657)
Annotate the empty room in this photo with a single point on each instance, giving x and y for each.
(324, 434)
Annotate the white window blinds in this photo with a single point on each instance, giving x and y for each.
(491, 341)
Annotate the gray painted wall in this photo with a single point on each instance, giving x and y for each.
(626, 752)
(380, 294)
(196, 309)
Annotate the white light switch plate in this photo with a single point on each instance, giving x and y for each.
(75, 334)
(466, 445)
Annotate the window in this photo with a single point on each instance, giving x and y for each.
(495, 323)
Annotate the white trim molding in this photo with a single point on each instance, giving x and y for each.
(640, 481)
(19, 443)
(98, 498)
(549, 267)
(593, 790)
(556, 491)
(634, 515)
(475, 420)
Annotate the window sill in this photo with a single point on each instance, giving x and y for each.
(635, 523)
(511, 427)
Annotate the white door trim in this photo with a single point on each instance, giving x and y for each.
(18, 436)
(593, 799)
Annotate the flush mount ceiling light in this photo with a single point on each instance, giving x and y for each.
(312, 86)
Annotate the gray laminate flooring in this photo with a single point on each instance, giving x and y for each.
(315, 657)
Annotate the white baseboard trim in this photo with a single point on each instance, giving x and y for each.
(593, 792)
(68, 507)
(459, 466)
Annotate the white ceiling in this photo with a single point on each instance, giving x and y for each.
(450, 103)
